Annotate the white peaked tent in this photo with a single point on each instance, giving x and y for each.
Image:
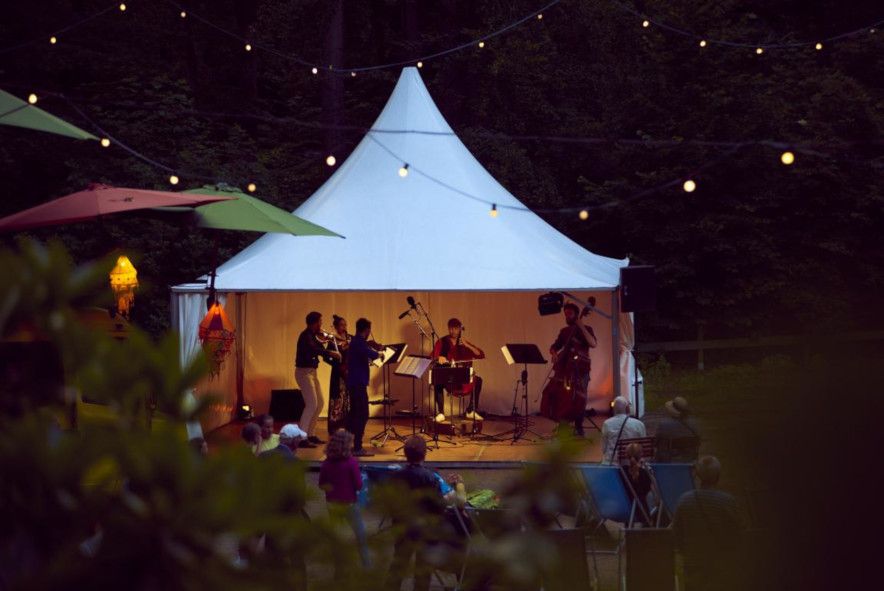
(428, 235)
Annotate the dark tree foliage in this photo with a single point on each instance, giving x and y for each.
(759, 248)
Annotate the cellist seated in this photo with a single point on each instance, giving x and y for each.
(452, 349)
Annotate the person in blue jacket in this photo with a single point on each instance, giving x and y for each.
(361, 354)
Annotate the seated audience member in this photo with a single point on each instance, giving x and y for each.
(269, 440)
(620, 426)
(415, 538)
(251, 434)
(341, 479)
(708, 531)
(677, 438)
(289, 438)
(638, 481)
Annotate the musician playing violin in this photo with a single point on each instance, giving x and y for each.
(338, 399)
(570, 355)
(455, 349)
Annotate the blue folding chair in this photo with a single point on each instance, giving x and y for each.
(672, 481)
(606, 491)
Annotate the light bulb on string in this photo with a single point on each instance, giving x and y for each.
(759, 50)
(32, 98)
(403, 170)
(787, 158)
(420, 64)
(183, 14)
(583, 215)
(540, 16)
(646, 24)
(248, 47)
(481, 44)
(689, 186)
(819, 46)
(352, 74)
(331, 160)
(105, 143)
(493, 212)
(53, 40)
(314, 70)
(252, 187)
(173, 180)
(703, 43)
(122, 7)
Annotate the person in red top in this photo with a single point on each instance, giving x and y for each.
(449, 349)
(341, 479)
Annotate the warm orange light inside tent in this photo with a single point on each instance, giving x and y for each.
(124, 281)
(217, 335)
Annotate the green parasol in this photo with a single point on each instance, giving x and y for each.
(19, 113)
(251, 214)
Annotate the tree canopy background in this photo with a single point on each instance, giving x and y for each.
(759, 248)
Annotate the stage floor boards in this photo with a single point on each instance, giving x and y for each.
(464, 450)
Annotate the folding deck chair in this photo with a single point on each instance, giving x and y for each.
(607, 493)
(672, 481)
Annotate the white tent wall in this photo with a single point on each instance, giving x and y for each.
(188, 310)
(274, 320)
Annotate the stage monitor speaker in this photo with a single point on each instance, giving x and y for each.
(286, 406)
(638, 289)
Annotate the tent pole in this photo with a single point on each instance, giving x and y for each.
(615, 338)
(240, 345)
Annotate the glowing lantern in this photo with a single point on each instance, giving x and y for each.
(217, 335)
(124, 280)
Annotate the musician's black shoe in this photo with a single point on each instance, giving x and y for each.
(315, 439)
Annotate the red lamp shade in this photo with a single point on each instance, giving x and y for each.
(217, 335)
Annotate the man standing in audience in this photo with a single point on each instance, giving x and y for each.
(677, 438)
(619, 427)
(708, 532)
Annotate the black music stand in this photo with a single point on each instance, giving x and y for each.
(526, 354)
(387, 401)
(414, 367)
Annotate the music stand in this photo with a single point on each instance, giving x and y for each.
(393, 354)
(526, 354)
(414, 367)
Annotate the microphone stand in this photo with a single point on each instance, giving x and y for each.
(419, 308)
(415, 318)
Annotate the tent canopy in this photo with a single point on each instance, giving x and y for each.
(429, 230)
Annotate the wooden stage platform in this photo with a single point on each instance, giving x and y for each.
(481, 450)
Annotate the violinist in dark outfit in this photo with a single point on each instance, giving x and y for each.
(338, 400)
(570, 357)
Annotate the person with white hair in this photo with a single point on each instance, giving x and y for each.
(290, 436)
(620, 426)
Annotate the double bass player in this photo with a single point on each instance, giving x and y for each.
(571, 362)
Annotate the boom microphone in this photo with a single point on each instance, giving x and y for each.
(411, 306)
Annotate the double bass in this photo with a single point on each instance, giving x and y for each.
(560, 401)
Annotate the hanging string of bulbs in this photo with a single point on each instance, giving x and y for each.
(479, 42)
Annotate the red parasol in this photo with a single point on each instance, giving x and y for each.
(98, 200)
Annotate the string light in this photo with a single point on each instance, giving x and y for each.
(252, 187)
(689, 186)
(105, 143)
(703, 43)
(173, 179)
(584, 215)
(819, 46)
(352, 74)
(646, 24)
(540, 16)
(331, 160)
(481, 44)
(420, 64)
(493, 212)
(122, 8)
(403, 170)
(53, 40)
(787, 158)
(314, 70)
(183, 14)
(759, 50)
(248, 47)
(32, 98)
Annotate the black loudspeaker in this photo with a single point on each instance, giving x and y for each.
(286, 406)
(638, 289)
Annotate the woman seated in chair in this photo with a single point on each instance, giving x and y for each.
(638, 483)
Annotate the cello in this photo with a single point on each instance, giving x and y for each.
(560, 401)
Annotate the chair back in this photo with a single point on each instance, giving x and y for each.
(607, 491)
(673, 480)
(650, 559)
(373, 475)
(646, 443)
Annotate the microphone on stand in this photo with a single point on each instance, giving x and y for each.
(411, 306)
